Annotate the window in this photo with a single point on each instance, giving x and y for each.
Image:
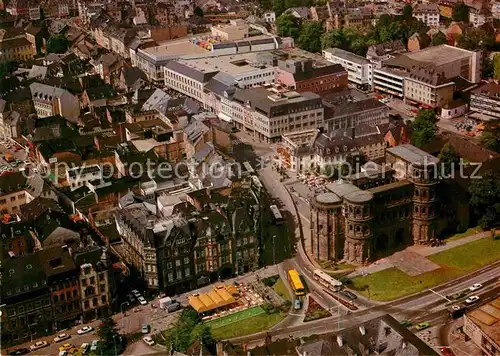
(187, 271)
(177, 263)
(13, 199)
(103, 299)
(92, 280)
(86, 305)
(186, 260)
(94, 302)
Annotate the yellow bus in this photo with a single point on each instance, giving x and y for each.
(295, 282)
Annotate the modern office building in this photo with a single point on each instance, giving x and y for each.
(359, 69)
(389, 81)
(485, 102)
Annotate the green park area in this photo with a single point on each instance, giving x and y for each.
(280, 288)
(392, 283)
(469, 232)
(235, 317)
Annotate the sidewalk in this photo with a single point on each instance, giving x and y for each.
(422, 250)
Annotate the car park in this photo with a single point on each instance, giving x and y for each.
(475, 287)
(472, 299)
(61, 337)
(38, 345)
(148, 340)
(423, 325)
(84, 330)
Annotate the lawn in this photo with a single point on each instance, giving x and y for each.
(393, 283)
(248, 326)
(469, 232)
(280, 288)
(235, 317)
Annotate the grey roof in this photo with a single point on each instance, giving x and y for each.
(220, 83)
(202, 154)
(328, 198)
(426, 9)
(351, 108)
(348, 56)
(223, 45)
(359, 197)
(429, 76)
(190, 72)
(412, 154)
(341, 188)
(38, 72)
(132, 75)
(158, 100)
(262, 41)
(195, 129)
(46, 92)
(303, 12)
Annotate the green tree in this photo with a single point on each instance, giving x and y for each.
(335, 39)
(288, 26)
(202, 332)
(393, 31)
(407, 12)
(423, 128)
(439, 39)
(57, 44)
(496, 67)
(487, 68)
(449, 158)
(460, 13)
(198, 11)
(490, 140)
(485, 199)
(6, 68)
(477, 39)
(108, 335)
(310, 36)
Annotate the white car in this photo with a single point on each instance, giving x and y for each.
(38, 345)
(148, 340)
(93, 345)
(142, 300)
(84, 347)
(475, 287)
(472, 299)
(136, 293)
(84, 330)
(61, 337)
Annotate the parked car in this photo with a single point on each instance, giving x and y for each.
(84, 330)
(297, 304)
(472, 299)
(446, 351)
(66, 347)
(22, 351)
(145, 328)
(405, 323)
(93, 345)
(475, 287)
(130, 298)
(173, 307)
(423, 325)
(136, 293)
(61, 337)
(348, 294)
(148, 340)
(38, 345)
(84, 347)
(142, 300)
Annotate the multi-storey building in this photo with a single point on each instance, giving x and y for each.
(16, 191)
(381, 208)
(79, 176)
(16, 49)
(359, 69)
(390, 81)
(485, 101)
(428, 88)
(427, 13)
(350, 114)
(63, 282)
(482, 324)
(50, 101)
(26, 299)
(309, 75)
(97, 282)
(267, 113)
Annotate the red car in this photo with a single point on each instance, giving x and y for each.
(446, 351)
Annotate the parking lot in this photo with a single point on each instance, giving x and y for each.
(12, 157)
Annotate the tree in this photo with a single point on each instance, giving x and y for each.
(485, 199)
(496, 67)
(310, 36)
(288, 26)
(108, 335)
(477, 39)
(6, 68)
(407, 12)
(198, 11)
(449, 158)
(57, 44)
(487, 68)
(439, 39)
(423, 128)
(335, 39)
(490, 140)
(460, 13)
(202, 333)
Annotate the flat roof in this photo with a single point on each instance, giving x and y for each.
(439, 55)
(349, 56)
(342, 188)
(412, 154)
(487, 318)
(173, 50)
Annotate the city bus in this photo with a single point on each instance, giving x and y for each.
(296, 283)
(326, 280)
(278, 218)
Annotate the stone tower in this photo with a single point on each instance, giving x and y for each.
(358, 246)
(327, 227)
(424, 176)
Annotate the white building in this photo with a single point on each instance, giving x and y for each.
(427, 13)
(50, 101)
(359, 69)
(389, 81)
(270, 17)
(79, 176)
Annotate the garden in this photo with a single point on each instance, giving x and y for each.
(315, 311)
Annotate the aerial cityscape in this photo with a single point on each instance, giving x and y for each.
(250, 177)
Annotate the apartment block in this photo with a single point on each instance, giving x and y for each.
(359, 69)
(428, 88)
(427, 13)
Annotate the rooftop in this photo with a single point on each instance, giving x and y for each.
(349, 56)
(487, 317)
(491, 89)
(412, 154)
